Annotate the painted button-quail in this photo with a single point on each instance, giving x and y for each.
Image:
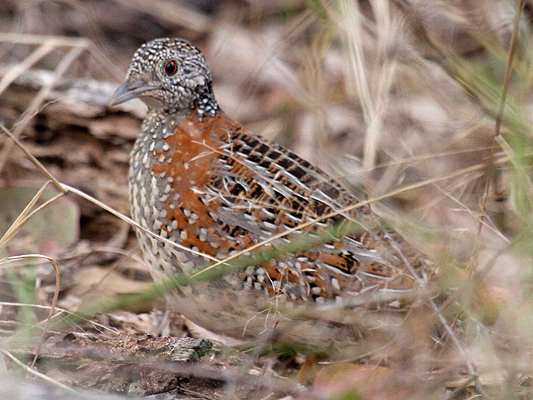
(204, 181)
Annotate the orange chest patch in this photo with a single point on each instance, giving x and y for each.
(187, 157)
(187, 161)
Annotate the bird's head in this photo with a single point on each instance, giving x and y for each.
(169, 75)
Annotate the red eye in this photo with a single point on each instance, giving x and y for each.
(171, 68)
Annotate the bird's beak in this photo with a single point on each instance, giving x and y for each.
(130, 90)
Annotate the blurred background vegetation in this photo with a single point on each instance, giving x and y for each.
(382, 94)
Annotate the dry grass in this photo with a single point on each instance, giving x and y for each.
(425, 107)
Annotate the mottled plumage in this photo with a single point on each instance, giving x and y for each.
(204, 181)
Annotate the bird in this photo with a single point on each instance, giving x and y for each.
(202, 180)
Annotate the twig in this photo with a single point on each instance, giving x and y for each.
(22, 217)
(38, 100)
(497, 129)
(28, 62)
(60, 311)
(36, 162)
(38, 374)
(54, 300)
(136, 225)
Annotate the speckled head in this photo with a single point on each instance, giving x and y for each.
(170, 75)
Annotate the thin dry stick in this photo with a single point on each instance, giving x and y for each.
(419, 158)
(38, 100)
(497, 129)
(52, 308)
(38, 374)
(23, 216)
(35, 162)
(105, 63)
(136, 225)
(508, 66)
(54, 300)
(57, 41)
(465, 208)
(63, 41)
(40, 306)
(38, 209)
(199, 395)
(461, 388)
(28, 62)
(60, 311)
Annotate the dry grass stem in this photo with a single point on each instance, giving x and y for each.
(36, 373)
(39, 53)
(54, 300)
(498, 122)
(40, 97)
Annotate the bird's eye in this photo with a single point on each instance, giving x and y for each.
(171, 67)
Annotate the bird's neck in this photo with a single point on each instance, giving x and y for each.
(205, 103)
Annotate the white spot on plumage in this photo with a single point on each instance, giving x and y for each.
(316, 290)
